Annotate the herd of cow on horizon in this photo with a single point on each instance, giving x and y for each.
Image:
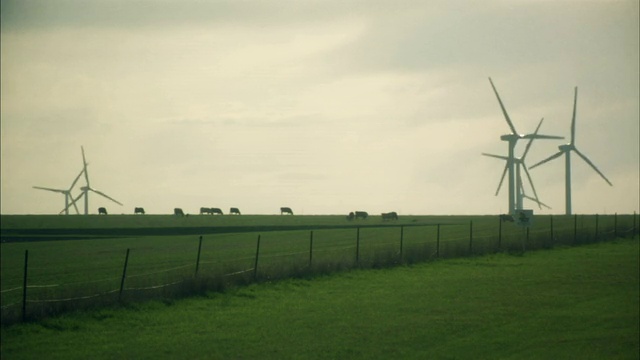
(235, 211)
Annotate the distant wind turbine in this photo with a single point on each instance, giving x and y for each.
(520, 165)
(566, 150)
(87, 188)
(512, 138)
(67, 194)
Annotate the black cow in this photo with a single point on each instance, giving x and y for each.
(505, 217)
(361, 214)
(216, 211)
(235, 211)
(138, 210)
(390, 216)
(102, 211)
(351, 216)
(178, 212)
(286, 210)
(205, 210)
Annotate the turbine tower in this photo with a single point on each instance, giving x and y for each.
(520, 165)
(511, 139)
(566, 150)
(87, 188)
(67, 194)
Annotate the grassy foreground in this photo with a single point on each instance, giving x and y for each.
(580, 302)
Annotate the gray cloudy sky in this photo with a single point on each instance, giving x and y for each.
(323, 106)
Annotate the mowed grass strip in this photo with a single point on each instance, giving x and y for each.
(571, 303)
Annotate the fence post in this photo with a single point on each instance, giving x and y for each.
(124, 273)
(24, 287)
(402, 238)
(470, 236)
(596, 237)
(499, 232)
(255, 266)
(575, 229)
(310, 248)
(358, 246)
(438, 242)
(198, 258)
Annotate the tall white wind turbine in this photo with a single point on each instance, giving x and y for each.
(511, 139)
(566, 150)
(520, 166)
(87, 188)
(67, 194)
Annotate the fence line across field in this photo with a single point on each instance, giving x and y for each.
(437, 239)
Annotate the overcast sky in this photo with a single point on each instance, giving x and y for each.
(323, 106)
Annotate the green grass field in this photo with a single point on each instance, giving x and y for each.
(78, 261)
(567, 303)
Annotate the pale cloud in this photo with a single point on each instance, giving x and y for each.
(324, 106)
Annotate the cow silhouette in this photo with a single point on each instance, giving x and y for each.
(178, 212)
(390, 216)
(138, 210)
(286, 210)
(102, 211)
(362, 215)
(234, 211)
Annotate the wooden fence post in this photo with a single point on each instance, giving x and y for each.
(402, 239)
(438, 242)
(255, 266)
(24, 286)
(499, 232)
(470, 236)
(198, 258)
(575, 228)
(358, 246)
(124, 273)
(310, 248)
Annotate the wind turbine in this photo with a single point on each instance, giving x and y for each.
(520, 165)
(566, 150)
(86, 189)
(66, 192)
(512, 138)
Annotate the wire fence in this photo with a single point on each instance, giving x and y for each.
(286, 254)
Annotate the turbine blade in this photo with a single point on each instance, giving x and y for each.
(84, 166)
(556, 155)
(504, 111)
(50, 189)
(496, 156)
(73, 202)
(533, 188)
(76, 180)
(536, 136)
(573, 119)
(526, 149)
(504, 173)
(593, 166)
(107, 196)
(537, 201)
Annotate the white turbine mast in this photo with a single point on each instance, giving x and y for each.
(511, 139)
(520, 165)
(87, 188)
(566, 150)
(67, 194)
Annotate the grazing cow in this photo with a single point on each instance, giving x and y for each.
(216, 211)
(361, 215)
(102, 211)
(351, 216)
(505, 217)
(204, 210)
(390, 216)
(138, 211)
(286, 210)
(234, 211)
(178, 212)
